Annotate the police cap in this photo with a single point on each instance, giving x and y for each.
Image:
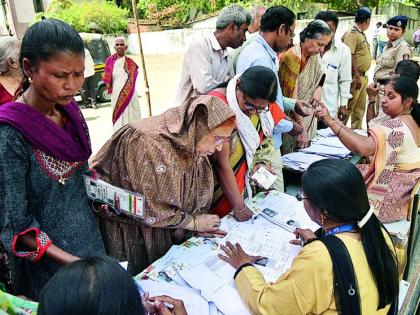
(399, 21)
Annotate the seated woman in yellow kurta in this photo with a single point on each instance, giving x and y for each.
(308, 286)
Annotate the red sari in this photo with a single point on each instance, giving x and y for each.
(5, 96)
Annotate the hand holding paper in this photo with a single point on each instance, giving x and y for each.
(263, 177)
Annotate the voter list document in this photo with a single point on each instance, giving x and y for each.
(271, 243)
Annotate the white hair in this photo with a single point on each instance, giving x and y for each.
(255, 10)
(9, 48)
(121, 38)
(315, 30)
(233, 13)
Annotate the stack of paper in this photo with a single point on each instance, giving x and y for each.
(329, 142)
(328, 151)
(324, 145)
(300, 161)
(327, 132)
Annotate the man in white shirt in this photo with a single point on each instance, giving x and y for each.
(336, 64)
(207, 61)
(375, 41)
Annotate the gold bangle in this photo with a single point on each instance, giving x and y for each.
(240, 211)
(194, 219)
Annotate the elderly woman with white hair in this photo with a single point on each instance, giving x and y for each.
(120, 77)
(301, 78)
(10, 73)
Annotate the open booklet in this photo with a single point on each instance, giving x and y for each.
(196, 264)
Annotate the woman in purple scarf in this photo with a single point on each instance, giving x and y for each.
(45, 218)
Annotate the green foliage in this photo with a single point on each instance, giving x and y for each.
(178, 12)
(110, 18)
(58, 5)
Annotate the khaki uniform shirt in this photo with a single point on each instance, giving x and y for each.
(359, 47)
(394, 52)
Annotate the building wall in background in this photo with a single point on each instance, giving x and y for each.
(178, 41)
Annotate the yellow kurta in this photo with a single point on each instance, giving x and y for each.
(307, 287)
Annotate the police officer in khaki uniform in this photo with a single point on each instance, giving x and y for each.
(397, 49)
(360, 64)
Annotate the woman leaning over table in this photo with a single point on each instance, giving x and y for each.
(249, 95)
(394, 148)
(164, 158)
(308, 286)
(45, 218)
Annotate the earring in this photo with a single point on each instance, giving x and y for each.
(30, 80)
(322, 220)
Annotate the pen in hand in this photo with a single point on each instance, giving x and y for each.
(302, 241)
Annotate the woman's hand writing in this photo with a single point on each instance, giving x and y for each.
(236, 256)
(155, 305)
(161, 309)
(302, 234)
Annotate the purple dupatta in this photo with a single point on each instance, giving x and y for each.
(70, 143)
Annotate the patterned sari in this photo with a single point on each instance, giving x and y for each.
(390, 184)
(125, 94)
(299, 80)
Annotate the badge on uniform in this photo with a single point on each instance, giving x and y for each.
(399, 23)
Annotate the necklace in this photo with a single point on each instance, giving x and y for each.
(50, 113)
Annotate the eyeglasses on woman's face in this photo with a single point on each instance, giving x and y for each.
(251, 107)
(300, 196)
(218, 140)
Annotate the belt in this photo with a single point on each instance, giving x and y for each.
(382, 81)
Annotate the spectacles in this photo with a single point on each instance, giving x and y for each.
(250, 106)
(218, 140)
(300, 196)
